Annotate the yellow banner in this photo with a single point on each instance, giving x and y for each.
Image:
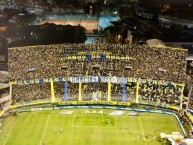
(175, 108)
(2, 113)
(190, 117)
(94, 102)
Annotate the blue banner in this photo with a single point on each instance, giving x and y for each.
(92, 79)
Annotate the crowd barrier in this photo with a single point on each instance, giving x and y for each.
(112, 103)
(94, 102)
(75, 103)
(31, 104)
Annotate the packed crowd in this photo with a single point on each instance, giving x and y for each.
(55, 61)
(30, 93)
(189, 96)
(160, 95)
(117, 60)
(190, 104)
(154, 94)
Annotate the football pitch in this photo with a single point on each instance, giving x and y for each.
(59, 127)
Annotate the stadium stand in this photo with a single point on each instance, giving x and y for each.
(39, 65)
(186, 45)
(189, 47)
(111, 75)
(77, 60)
(4, 93)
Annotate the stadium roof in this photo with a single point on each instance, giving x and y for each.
(4, 73)
(4, 76)
(190, 57)
(155, 43)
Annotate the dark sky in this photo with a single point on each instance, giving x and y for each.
(172, 2)
(179, 2)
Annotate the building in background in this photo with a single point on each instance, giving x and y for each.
(71, 18)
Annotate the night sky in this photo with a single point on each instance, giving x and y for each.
(172, 2)
(178, 2)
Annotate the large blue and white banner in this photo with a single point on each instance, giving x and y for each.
(92, 79)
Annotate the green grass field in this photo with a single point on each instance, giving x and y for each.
(53, 128)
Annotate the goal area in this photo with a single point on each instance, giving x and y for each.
(94, 112)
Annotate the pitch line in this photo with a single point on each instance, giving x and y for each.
(10, 132)
(73, 121)
(94, 126)
(71, 136)
(115, 122)
(141, 116)
(142, 130)
(45, 129)
(74, 126)
(174, 123)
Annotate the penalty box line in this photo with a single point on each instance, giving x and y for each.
(79, 126)
(92, 127)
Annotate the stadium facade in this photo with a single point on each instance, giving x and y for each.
(4, 93)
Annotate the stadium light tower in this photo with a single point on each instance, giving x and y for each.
(91, 10)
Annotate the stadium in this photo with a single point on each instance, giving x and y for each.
(68, 94)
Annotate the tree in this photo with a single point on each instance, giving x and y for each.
(58, 2)
(45, 34)
(155, 13)
(112, 30)
(26, 20)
